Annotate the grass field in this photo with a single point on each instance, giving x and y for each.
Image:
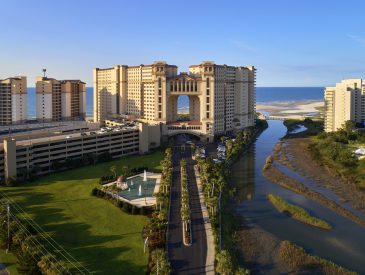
(94, 231)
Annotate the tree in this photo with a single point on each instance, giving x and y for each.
(349, 126)
(113, 169)
(161, 265)
(125, 170)
(50, 266)
(224, 263)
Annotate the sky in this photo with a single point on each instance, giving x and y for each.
(291, 43)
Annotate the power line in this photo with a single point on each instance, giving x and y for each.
(37, 244)
(57, 248)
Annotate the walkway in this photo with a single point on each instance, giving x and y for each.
(209, 266)
(186, 259)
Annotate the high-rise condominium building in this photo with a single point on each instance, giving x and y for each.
(60, 99)
(13, 100)
(345, 101)
(221, 97)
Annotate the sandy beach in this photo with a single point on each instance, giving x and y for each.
(295, 110)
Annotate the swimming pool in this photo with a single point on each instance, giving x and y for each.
(132, 193)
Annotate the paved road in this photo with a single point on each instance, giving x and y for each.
(186, 259)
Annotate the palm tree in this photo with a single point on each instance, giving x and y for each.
(185, 217)
(159, 200)
(161, 266)
(113, 169)
(125, 170)
(212, 204)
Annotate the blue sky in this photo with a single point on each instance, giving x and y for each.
(292, 43)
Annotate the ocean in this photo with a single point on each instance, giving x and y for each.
(263, 95)
(271, 94)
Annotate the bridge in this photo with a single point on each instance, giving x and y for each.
(281, 118)
(187, 127)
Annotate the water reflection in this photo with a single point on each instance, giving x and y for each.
(245, 175)
(344, 244)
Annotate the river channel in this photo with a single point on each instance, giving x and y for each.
(344, 244)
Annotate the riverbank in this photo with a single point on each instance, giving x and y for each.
(273, 174)
(228, 216)
(343, 245)
(299, 261)
(302, 162)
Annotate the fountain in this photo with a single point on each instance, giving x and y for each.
(140, 191)
(145, 176)
(131, 182)
(129, 190)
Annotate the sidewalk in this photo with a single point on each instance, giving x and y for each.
(209, 266)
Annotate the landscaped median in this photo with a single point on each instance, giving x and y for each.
(185, 205)
(297, 212)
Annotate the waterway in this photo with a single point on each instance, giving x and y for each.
(344, 244)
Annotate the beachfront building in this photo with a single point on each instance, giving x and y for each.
(60, 99)
(221, 97)
(345, 101)
(13, 100)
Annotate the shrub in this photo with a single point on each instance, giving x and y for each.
(106, 179)
(120, 204)
(94, 192)
(143, 211)
(126, 207)
(135, 210)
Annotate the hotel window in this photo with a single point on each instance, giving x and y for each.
(208, 83)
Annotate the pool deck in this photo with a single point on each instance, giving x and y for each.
(143, 201)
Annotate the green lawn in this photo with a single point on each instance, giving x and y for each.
(95, 232)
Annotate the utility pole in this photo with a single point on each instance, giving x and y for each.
(8, 213)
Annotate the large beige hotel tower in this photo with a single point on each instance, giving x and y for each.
(60, 99)
(13, 100)
(221, 97)
(345, 101)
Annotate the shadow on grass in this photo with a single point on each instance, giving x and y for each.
(93, 251)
